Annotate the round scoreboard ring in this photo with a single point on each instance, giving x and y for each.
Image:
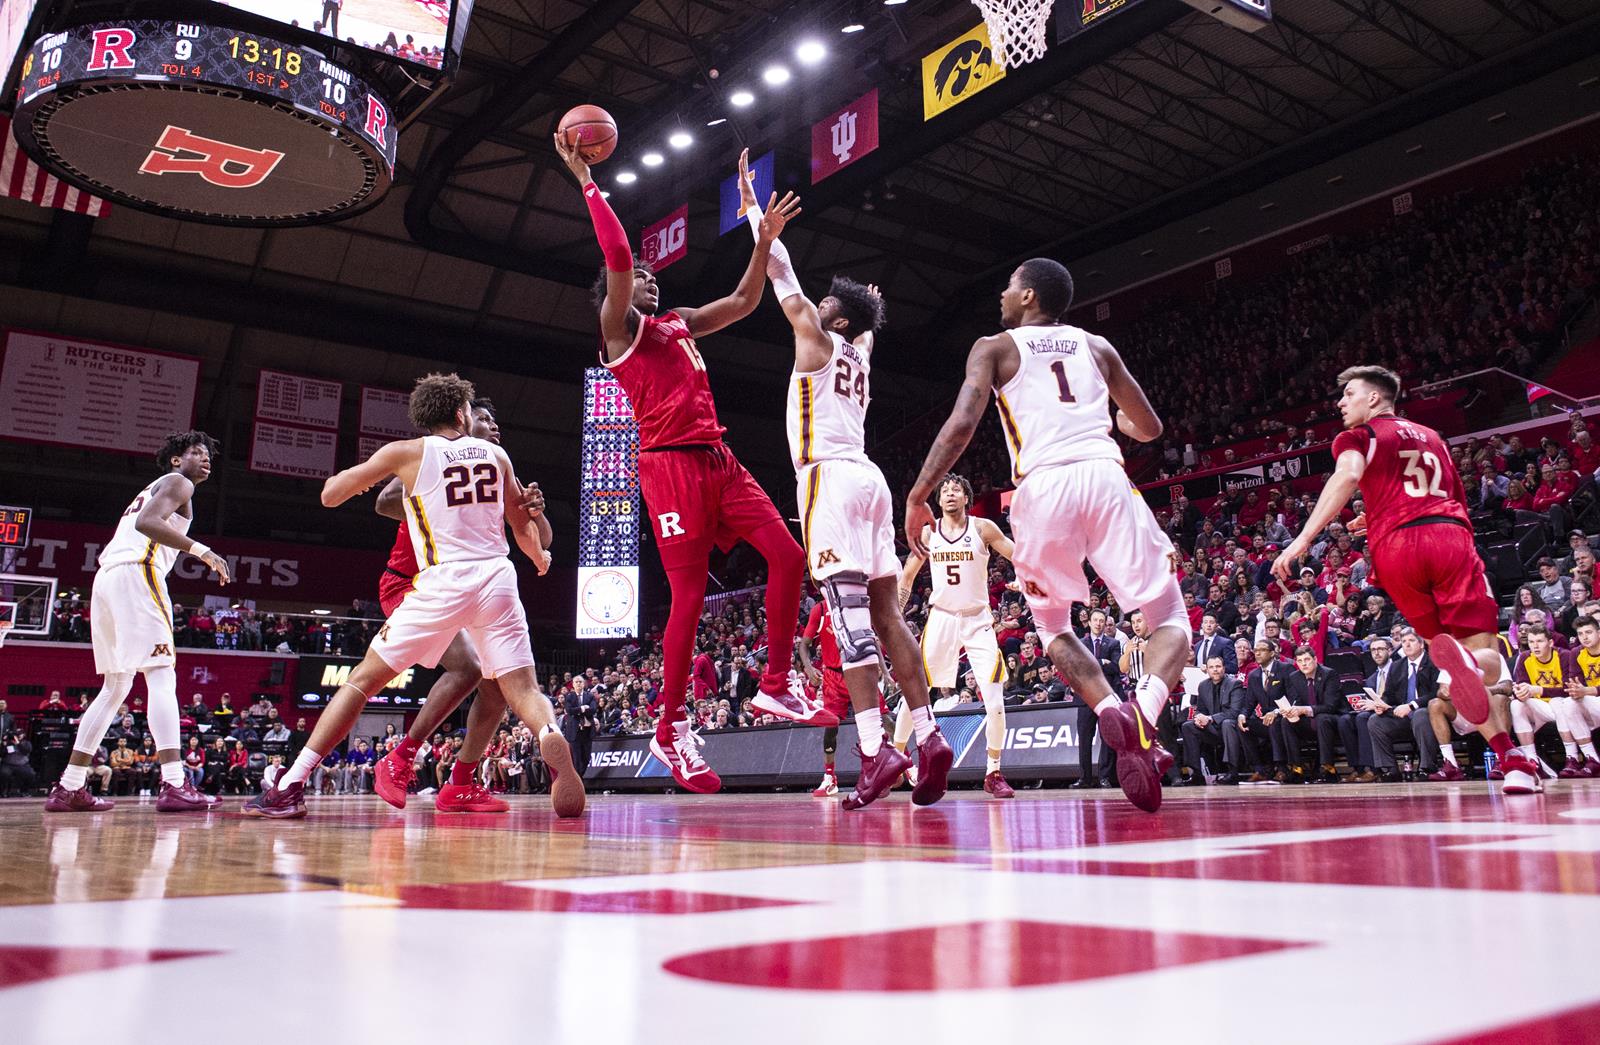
(205, 123)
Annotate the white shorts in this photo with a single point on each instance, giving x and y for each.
(848, 520)
(947, 634)
(1528, 716)
(1577, 717)
(1065, 514)
(130, 620)
(478, 597)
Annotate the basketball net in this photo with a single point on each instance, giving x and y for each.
(1017, 32)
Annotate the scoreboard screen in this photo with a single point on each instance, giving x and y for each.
(608, 512)
(14, 526)
(420, 31)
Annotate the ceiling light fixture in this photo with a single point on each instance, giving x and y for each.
(853, 22)
(626, 177)
(776, 75)
(742, 98)
(810, 52)
(680, 140)
(652, 159)
(718, 122)
(893, 3)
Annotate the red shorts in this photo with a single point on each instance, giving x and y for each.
(392, 589)
(1433, 575)
(836, 695)
(700, 497)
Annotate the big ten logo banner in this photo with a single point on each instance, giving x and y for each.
(957, 71)
(667, 240)
(843, 138)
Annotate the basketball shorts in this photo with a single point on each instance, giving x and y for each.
(393, 587)
(699, 497)
(836, 695)
(848, 520)
(1065, 514)
(478, 597)
(130, 620)
(1434, 577)
(947, 634)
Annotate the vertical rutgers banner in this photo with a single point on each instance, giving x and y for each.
(608, 511)
(667, 240)
(843, 138)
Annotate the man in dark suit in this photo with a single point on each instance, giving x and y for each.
(1213, 643)
(1388, 681)
(1315, 707)
(1106, 648)
(1263, 687)
(579, 725)
(1416, 682)
(1220, 699)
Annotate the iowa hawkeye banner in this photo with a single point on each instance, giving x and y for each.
(957, 71)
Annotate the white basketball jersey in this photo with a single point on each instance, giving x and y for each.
(1056, 409)
(457, 509)
(960, 567)
(827, 411)
(128, 545)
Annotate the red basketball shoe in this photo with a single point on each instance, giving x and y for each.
(683, 758)
(468, 798)
(183, 799)
(934, 757)
(1447, 773)
(996, 785)
(1521, 775)
(567, 796)
(392, 778)
(790, 702)
(286, 804)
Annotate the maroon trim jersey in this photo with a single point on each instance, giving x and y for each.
(665, 379)
(1409, 475)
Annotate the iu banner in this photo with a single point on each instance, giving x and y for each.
(957, 71)
(845, 137)
(667, 240)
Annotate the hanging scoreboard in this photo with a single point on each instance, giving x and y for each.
(608, 512)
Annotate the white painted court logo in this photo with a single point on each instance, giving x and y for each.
(669, 524)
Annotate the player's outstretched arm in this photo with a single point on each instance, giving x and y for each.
(746, 296)
(392, 501)
(391, 459)
(1136, 418)
(172, 492)
(971, 401)
(812, 346)
(617, 308)
(996, 539)
(908, 576)
(533, 504)
(522, 526)
(1341, 486)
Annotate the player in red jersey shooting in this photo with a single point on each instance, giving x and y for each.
(1423, 555)
(695, 490)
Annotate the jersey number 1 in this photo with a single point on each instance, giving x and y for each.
(462, 487)
(1059, 368)
(1420, 482)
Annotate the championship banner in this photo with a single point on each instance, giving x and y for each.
(763, 174)
(387, 412)
(301, 453)
(1075, 16)
(667, 240)
(298, 400)
(608, 511)
(845, 137)
(71, 392)
(957, 71)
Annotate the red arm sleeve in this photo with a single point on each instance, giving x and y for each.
(613, 240)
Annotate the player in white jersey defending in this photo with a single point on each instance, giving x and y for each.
(848, 517)
(461, 493)
(130, 621)
(1052, 383)
(958, 615)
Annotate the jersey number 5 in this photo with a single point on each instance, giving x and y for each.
(1420, 481)
(952, 573)
(462, 487)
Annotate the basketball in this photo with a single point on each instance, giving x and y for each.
(592, 130)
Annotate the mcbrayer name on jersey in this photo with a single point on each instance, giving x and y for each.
(1065, 346)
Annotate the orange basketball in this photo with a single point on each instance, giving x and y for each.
(592, 130)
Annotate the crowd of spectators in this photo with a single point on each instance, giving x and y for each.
(240, 628)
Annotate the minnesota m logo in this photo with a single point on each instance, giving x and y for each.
(826, 557)
(161, 650)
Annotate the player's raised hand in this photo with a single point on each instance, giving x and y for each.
(779, 214)
(1285, 562)
(918, 517)
(747, 183)
(532, 500)
(569, 156)
(218, 565)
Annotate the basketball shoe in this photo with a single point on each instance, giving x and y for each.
(469, 798)
(790, 701)
(1521, 775)
(878, 775)
(274, 804)
(80, 801)
(683, 758)
(183, 799)
(996, 785)
(1447, 773)
(1141, 760)
(392, 778)
(567, 796)
(935, 757)
(829, 786)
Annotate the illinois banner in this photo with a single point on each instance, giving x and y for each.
(957, 71)
(845, 137)
(667, 240)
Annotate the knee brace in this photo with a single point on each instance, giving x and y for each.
(851, 611)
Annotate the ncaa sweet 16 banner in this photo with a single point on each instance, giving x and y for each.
(608, 511)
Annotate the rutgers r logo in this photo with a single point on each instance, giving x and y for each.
(161, 650)
(826, 557)
(181, 151)
(670, 524)
(1034, 590)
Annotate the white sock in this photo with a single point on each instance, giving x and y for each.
(1111, 701)
(922, 722)
(1151, 693)
(1449, 753)
(994, 764)
(1572, 748)
(304, 763)
(172, 773)
(869, 728)
(75, 777)
(1587, 747)
(1526, 751)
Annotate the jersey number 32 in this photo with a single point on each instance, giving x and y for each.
(1423, 474)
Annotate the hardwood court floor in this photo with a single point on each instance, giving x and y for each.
(1316, 914)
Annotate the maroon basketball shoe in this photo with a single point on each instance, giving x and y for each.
(996, 785)
(468, 798)
(80, 801)
(1448, 773)
(392, 778)
(1573, 770)
(1141, 760)
(789, 701)
(289, 803)
(878, 775)
(933, 759)
(567, 796)
(183, 799)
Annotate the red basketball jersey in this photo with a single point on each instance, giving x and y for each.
(665, 379)
(820, 627)
(1409, 474)
(403, 557)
